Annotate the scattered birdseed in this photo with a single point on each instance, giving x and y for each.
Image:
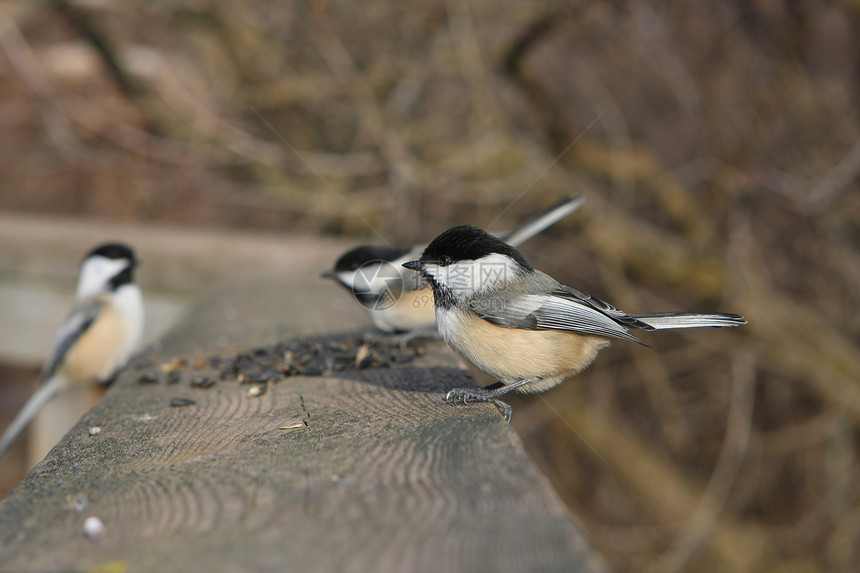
(362, 354)
(175, 364)
(270, 375)
(147, 379)
(202, 382)
(293, 426)
(259, 367)
(316, 368)
(94, 529)
(257, 391)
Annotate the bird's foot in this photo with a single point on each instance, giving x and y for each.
(467, 395)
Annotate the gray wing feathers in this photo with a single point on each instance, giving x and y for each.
(83, 314)
(573, 310)
(663, 320)
(557, 313)
(601, 306)
(549, 312)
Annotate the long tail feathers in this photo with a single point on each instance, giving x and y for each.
(663, 320)
(32, 407)
(540, 222)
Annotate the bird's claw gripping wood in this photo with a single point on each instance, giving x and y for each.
(467, 395)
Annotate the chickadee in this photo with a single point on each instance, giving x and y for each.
(522, 326)
(401, 301)
(96, 340)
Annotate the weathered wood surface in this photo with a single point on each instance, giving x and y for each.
(378, 473)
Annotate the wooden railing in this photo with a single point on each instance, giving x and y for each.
(241, 443)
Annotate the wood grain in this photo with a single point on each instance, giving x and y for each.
(362, 470)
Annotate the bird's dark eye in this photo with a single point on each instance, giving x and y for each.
(445, 260)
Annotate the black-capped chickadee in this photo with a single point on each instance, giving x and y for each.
(99, 335)
(401, 301)
(519, 325)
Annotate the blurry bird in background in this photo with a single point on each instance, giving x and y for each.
(96, 340)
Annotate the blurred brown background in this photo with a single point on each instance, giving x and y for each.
(718, 145)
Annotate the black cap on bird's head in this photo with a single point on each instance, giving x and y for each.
(355, 258)
(466, 243)
(113, 251)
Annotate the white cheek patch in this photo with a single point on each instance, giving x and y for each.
(347, 278)
(432, 270)
(459, 277)
(372, 278)
(95, 274)
(470, 277)
(446, 293)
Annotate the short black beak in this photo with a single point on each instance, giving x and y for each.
(328, 275)
(413, 265)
